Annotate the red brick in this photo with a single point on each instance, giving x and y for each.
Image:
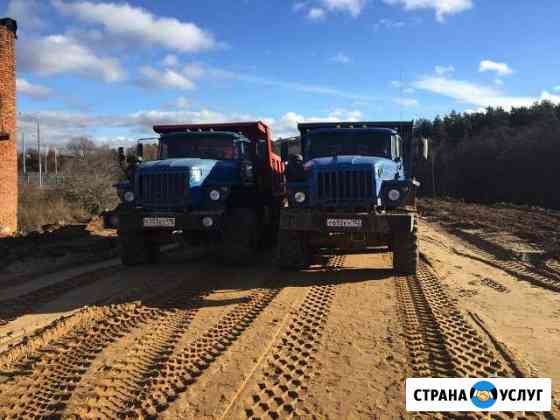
(8, 150)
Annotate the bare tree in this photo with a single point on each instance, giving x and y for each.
(90, 173)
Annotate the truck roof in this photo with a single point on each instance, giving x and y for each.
(203, 133)
(358, 130)
(404, 128)
(253, 130)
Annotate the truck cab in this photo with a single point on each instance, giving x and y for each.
(212, 183)
(352, 187)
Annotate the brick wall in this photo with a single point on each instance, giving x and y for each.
(8, 153)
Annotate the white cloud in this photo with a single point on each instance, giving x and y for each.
(137, 24)
(57, 127)
(341, 58)
(60, 126)
(406, 102)
(166, 78)
(474, 111)
(442, 8)
(286, 125)
(556, 88)
(306, 88)
(57, 54)
(354, 7)
(316, 13)
(498, 82)
(388, 24)
(170, 60)
(441, 70)
(299, 6)
(482, 96)
(35, 91)
(398, 85)
(181, 102)
(26, 12)
(317, 9)
(546, 96)
(500, 68)
(194, 71)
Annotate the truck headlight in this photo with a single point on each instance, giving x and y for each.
(196, 174)
(394, 195)
(128, 196)
(299, 197)
(215, 195)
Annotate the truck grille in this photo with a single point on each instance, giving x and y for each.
(163, 190)
(345, 185)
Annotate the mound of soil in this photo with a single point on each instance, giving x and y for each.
(56, 246)
(534, 224)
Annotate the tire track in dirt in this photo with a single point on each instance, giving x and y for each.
(140, 361)
(155, 372)
(43, 389)
(21, 356)
(546, 277)
(45, 375)
(279, 388)
(11, 309)
(441, 343)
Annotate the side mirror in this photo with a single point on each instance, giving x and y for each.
(425, 148)
(121, 154)
(284, 152)
(139, 150)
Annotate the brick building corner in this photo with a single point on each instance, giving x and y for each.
(8, 144)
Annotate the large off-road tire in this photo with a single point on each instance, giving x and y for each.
(137, 248)
(239, 236)
(292, 251)
(404, 245)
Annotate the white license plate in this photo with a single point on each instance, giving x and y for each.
(344, 223)
(159, 222)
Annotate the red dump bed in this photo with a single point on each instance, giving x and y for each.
(269, 166)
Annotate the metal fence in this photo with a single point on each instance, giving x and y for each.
(47, 180)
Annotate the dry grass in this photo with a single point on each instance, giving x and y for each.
(38, 207)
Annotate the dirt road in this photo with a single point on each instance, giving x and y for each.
(191, 339)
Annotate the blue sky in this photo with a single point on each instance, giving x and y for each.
(111, 69)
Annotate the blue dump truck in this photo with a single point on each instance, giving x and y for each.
(212, 183)
(351, 188)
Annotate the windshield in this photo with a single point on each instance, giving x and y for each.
(349, 143)
(210, 146)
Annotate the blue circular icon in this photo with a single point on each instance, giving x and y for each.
(483, 394)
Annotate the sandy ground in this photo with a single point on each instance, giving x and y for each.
(524, 317)
(190, 339)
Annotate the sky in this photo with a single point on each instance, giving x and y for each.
(110, 70)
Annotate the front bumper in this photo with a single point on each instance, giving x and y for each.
(317, 221)
(134, 220)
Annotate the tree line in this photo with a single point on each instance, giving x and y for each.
(494, 156)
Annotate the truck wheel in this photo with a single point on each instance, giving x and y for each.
(405, 252)
(292, 251)
(239, 236)
(137, 248)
